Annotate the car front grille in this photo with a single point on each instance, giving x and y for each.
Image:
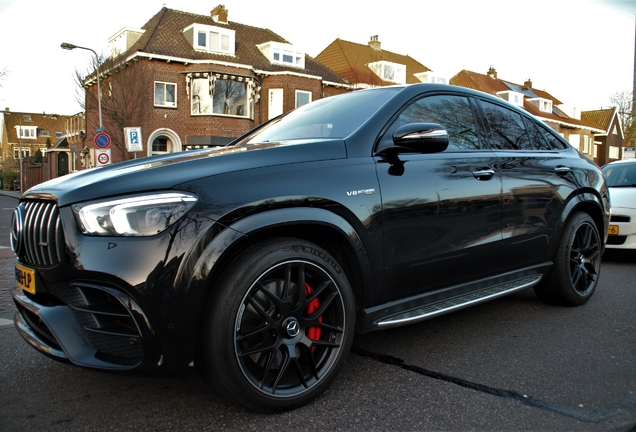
(619, 218)
(37, 237)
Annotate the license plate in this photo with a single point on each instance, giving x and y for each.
(612, 230)
(25, 278)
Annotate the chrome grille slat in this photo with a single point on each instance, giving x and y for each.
(41, 235)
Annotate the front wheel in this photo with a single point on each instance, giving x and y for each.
(577, 264)
(278, 326)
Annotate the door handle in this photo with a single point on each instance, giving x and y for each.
(484, 173)
(562, 170)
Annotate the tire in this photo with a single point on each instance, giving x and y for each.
(267, 344)
(577, 264)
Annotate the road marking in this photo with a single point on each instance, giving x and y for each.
(5, 322)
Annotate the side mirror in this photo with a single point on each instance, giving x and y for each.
(421, 137)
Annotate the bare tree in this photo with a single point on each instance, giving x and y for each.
(123, 89)
(624, 102)
(3, 75)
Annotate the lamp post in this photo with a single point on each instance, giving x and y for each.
(68, 46)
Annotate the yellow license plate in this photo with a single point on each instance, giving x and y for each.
(612, 230)
(25, 278)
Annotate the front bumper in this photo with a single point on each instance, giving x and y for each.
(87, 324)
(625, 219)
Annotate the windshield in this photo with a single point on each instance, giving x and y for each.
(620, 174)
(332, 117)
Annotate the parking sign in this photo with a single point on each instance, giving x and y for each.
(134, 142)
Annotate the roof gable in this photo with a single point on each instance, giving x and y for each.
(350, 60)
(491, 84)
(164, 36)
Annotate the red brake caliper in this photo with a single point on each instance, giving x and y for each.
(313, 332)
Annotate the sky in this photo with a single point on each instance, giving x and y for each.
(580, 51)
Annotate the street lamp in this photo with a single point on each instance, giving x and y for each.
(68, 46)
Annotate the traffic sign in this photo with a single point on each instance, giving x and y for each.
(134, 142)
(102, 157)
(102, 140)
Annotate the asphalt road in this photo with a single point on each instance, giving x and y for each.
(511, 364)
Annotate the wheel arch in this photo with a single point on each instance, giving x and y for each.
(319, 226)
(591, 204)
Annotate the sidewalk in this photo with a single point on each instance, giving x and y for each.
(7, 278)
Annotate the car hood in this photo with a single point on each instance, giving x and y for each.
(168, 171)
(623, 197)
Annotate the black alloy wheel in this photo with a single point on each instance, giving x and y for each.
(287, 313)
(577, 264)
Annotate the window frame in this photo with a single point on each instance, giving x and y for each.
(302, 92)
(212, 80)
(199, 30)
(26, 132)
(165, 86)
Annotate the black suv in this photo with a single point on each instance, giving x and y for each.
(257, 262)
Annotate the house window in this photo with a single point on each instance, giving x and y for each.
(277, 52)
(302, 98)
(26, 117)
(44, 133)
(392, 72)
(210, 38)
(26, 132)
(219, 96)
(59, 134)
(26, 152)
(575, 141)
(160, 145)
(165, 94)
(586, 144)
(614, 152)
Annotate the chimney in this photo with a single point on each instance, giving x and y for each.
(528, 84)
(219, 14)
(492, 73)
(375, 43)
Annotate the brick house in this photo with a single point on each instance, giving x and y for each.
(610, 142)
(566, 120)
(34, 134)
(366, 66)
(193, 81)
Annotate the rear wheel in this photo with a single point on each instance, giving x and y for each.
(278, 326)
(577, 264)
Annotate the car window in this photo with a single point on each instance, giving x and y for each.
(507, 130)
(554, 141)
(620, 175)
(332, 117)
(537, 138)
(452, 112)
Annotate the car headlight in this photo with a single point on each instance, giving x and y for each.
(142, 215)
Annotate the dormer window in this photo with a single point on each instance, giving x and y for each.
(513, 97)
(570, 111)
(544, 105)
(210, 38)
(284, 54)
(392, 72)
(27, 132)
(430, 77)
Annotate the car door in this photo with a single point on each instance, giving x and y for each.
(441, 212)
(537, 180)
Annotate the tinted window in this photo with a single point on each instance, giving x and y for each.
(452, 112)
(507, 129)
(537, 139)
(332, 117)
(620, 174)
(551, 138)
